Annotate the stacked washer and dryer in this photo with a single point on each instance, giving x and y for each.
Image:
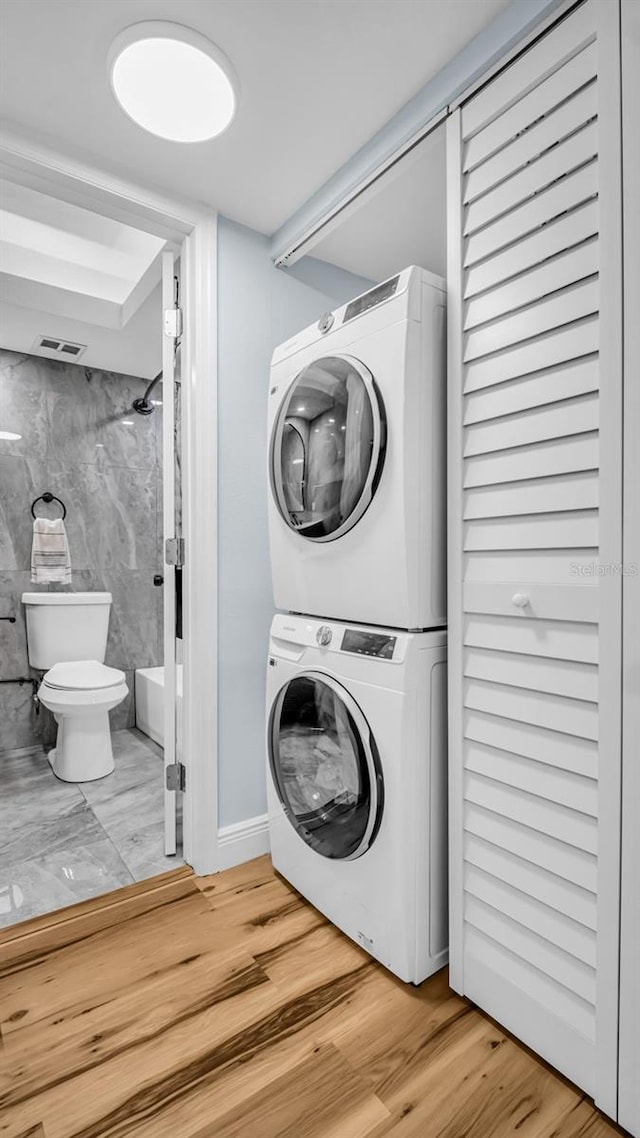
(356, 677)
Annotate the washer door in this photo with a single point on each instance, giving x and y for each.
(325, 766)
(327, 448)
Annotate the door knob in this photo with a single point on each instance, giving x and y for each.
(520, 600)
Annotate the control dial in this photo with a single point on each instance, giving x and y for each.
(324, 635)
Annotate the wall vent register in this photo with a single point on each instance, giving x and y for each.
(60, 349)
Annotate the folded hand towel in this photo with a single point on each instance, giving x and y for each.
(50, 560)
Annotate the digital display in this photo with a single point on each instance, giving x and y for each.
(369, 643)
(370, 299)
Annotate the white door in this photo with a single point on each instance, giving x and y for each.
(172, 764)
(535, 537)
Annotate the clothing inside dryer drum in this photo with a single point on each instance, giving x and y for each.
(326, 449)
(320, 768)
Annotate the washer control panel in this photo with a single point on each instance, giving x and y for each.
(365, 643)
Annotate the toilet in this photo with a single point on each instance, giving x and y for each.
(67, 640)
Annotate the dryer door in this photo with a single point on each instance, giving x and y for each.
(327, 448)
(325, 766)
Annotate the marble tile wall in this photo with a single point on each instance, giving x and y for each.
(75, 443)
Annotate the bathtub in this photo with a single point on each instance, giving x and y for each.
(150, 702)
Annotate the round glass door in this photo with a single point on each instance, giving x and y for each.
(325, 766)
(327, 448)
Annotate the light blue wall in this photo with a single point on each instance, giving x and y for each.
(258, 308)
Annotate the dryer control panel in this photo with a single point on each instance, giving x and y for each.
(370, 299)
(366, 643)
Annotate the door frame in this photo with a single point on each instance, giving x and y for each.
(191, 229)
(629, 1088)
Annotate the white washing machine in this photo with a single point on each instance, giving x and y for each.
(356, 776)
(357, 459)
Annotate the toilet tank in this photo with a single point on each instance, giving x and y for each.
(66, 626)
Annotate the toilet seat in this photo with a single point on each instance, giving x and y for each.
(82, 676)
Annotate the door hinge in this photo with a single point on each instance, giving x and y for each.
(176, 776)
(173, 323)
(174, 551)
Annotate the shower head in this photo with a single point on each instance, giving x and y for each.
(143, 406)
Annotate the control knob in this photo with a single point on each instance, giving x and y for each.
(324, 635)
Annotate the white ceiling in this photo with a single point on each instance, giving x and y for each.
(67, 261)
(69, 274)
(400, 221)
(317, 79)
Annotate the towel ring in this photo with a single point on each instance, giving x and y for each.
(48, 497)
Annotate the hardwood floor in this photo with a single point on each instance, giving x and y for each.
(226, 1007)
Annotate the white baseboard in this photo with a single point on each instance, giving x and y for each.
(243, 841)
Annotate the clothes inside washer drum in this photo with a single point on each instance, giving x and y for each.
(317, 771)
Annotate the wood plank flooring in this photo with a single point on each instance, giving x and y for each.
(227, 1007)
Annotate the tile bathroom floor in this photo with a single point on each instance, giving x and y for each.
(61, 842)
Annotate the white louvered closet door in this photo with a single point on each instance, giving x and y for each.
(535, 516)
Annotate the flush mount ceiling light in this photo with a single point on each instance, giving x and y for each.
(172, 81)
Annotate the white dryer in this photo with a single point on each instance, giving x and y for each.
(356, 775)
(357, 459)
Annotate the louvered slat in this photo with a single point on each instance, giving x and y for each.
(544, 97)
(530, 879)
(542, 531)
(556, 163)
(566, 752)
(561, 124)
(573, 264)
(560, 455)
(557, 676)
(570, 716)
(565, 343)
(565, 860)
(542, 779)
(577, 377)
(567, 934)
(548, 958)
(563, 307)
(577, 491)
(540, 424)
(557, 236)
(558, 199)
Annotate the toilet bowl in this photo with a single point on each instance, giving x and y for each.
(81, 693)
